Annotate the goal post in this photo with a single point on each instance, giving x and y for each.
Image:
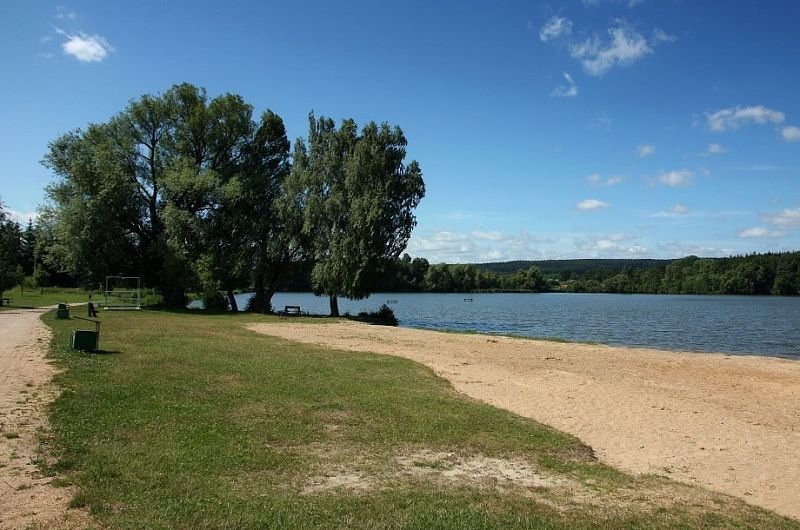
(122, 293)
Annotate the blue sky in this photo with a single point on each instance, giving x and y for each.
(545, 130)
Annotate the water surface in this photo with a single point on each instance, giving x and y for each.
(728, 324)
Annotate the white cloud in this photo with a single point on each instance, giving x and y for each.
(625, 47)
(603, 122)
(554, 28)
(680, 211)
(680, 249)
(63, 14)
(753, 167)
(22, 217)
(677, 178)
(566, 91)
(592, 204)
(758, 232)
(476, 246)
(86, 48)
(610, 245)
(597, 180)
(735, 117)
(645, 150)
(786, 218)
(715, 149)
(791, 133)
(490, 235)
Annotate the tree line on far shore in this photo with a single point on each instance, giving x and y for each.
(755, 274)
(194, 195)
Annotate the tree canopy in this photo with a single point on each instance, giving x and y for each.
(192, 193)
(360, 198)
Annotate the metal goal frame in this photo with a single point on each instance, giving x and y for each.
(123, 299)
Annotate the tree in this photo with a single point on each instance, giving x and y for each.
(271, 207)
(11, 272)
(154, 191)
(359, 202)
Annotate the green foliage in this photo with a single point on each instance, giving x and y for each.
(214, 300)
(187, 191)
(11, 271)
(360, 198)
(383, 316)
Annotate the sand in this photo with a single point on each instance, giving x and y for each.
(27, 498)
(729, 423)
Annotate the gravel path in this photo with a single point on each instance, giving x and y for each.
(27, 498)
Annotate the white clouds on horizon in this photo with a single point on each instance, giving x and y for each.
(608, 245)
(22, 217)
(758, 232)
(785, 219)
(566, 91)
(554, 28)
(588, 205)
(478, 245)
(736, 117)
(680, 249)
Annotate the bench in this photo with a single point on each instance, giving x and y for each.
(6, 301)
(290, 311)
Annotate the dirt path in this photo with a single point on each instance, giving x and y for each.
(729, 423)
(27, 499)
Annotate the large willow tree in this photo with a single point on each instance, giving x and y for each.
(359, 203)
(157, 190)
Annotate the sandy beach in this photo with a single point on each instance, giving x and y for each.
(729, 423)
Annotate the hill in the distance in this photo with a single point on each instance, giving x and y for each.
(578, 266)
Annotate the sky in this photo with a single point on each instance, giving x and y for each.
(545, 130)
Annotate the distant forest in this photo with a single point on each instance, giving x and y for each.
(755, 274)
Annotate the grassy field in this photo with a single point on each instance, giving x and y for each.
(187, 420)
(41, 298)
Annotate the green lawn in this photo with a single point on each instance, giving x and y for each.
(187, 420)
(28, 298)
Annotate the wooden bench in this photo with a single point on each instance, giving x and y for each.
(6, 301)
(290, 311)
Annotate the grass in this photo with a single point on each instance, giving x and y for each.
(187, 420)
(29, 298)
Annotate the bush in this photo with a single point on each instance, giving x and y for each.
(214, 300)
(384, 316)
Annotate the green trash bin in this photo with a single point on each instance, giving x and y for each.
(62, 312)
(84, 340)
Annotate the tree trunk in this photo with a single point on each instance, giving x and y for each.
(232, 301)
(334, 305)
(268, 300)
(257, 302)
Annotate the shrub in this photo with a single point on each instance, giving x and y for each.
(384, 316)
(214, 300)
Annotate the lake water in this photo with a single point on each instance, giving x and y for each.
(729, 324)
